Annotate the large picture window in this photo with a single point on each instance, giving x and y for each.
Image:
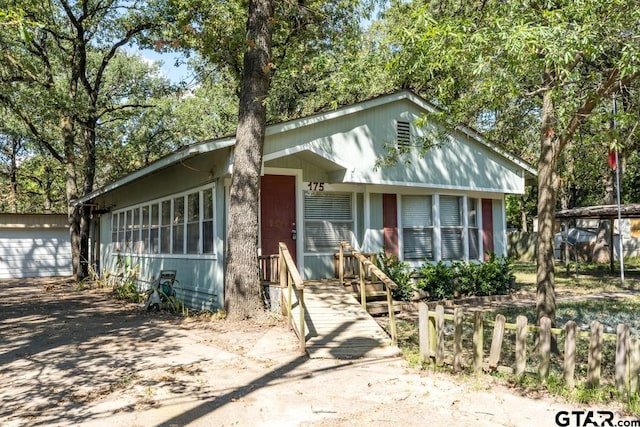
(328, 220)
(182, 224)
(417, 228)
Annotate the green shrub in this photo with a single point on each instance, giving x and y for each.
(399, 272)
(495, 276)
(437, 280)
(447, 281)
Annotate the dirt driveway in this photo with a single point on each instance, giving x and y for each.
(73, 357)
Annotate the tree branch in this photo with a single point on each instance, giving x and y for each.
(123, 107)
(112, 52)
(26, 119)
(611, 85)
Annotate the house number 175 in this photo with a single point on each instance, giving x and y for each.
(316, 186)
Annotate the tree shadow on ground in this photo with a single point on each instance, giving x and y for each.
(62, 348)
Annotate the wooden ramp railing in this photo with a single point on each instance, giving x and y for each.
(326, 318)
(291, 281)
(367, 270)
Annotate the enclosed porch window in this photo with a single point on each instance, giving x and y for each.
(182, 224)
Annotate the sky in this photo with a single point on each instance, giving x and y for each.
(168, 68)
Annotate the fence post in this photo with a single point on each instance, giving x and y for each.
(521, 345)
(301, 307)
(457, 339)
(341, 264)
(544, 348)
(440, 335)
(363, 289)
(569, 367)
(634, 366)
(496, 341)
(432, 335)
(622, 359)
(392, 316)
(423, 331)
(478, 339)
(284, 283)
(595, 354)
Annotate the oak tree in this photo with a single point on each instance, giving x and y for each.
(555, 62)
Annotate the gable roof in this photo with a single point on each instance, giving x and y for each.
(404, 94)
(277, 128)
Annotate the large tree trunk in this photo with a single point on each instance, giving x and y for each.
(547, 191)
(71, 189)
(13, 174)
(243, 296)
(47, 185)
(89, 136)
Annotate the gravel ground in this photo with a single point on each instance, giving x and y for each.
(72, 357)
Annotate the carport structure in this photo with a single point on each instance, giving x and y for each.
(602, 212)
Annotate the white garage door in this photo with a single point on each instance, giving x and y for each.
(35, 253)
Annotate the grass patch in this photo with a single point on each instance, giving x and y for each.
(592, 279)
(608, 311)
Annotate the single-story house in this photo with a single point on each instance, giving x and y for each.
(34, 245)
(320, 185)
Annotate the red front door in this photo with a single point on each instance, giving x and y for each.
(278, 213)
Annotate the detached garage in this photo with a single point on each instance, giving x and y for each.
(34, 245)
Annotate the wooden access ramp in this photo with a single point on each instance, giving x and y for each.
(338, 327)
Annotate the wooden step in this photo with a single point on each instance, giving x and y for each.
(372, 295)
(368, 286)
(381, 307)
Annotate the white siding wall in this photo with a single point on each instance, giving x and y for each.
(34, 252)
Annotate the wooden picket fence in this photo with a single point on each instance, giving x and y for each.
(434, 340)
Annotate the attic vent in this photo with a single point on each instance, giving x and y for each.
(403, 133)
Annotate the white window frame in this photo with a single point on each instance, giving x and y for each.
(144, 249)
(474, 228)
(437, 227)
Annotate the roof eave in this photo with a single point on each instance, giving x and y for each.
(180, 155)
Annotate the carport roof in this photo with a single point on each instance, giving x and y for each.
(601, 212)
